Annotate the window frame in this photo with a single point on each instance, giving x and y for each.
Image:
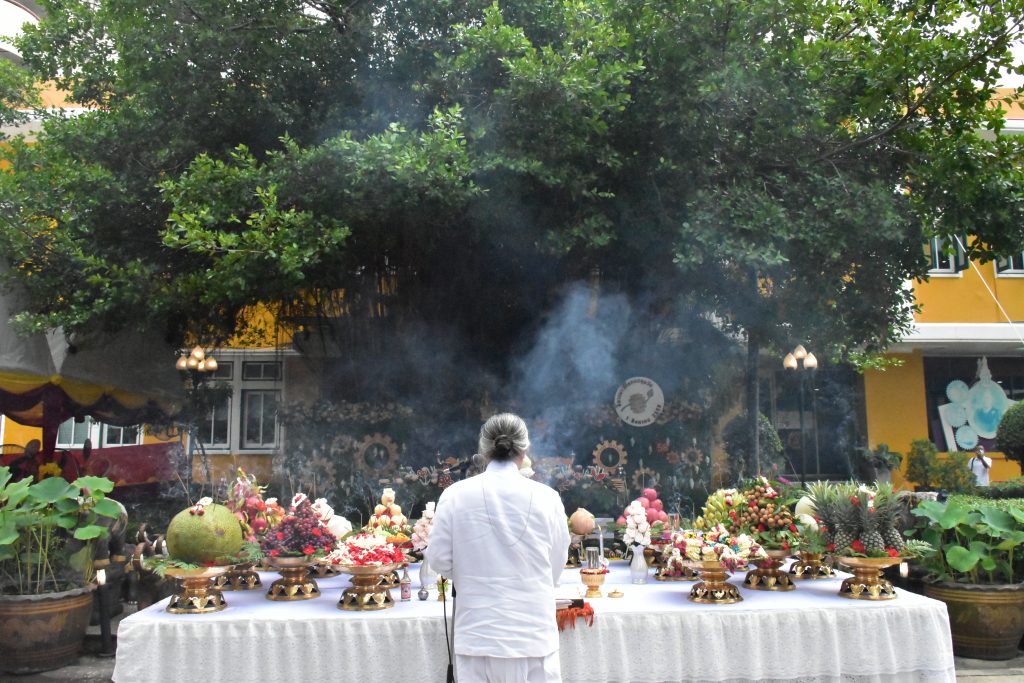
(1011, 269)
(243, 434)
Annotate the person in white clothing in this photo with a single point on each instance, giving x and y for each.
(503, 540)
(980, 464)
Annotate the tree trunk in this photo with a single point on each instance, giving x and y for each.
(753, 401)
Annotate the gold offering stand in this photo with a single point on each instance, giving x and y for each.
(195, 593)
(323, 570)
(768, 576)
(867, 582)
(713, 588)
(368, 590)
(239, 577)
(810, 566)
(665, 573)
(295, 582)
(593, 579)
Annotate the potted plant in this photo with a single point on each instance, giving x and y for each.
(879, 462)
(922, 464)
(976, 567)
(47, 529)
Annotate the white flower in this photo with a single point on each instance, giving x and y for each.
(298, 498)
(204, 501)
(271, 501)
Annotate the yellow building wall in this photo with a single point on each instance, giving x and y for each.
(896, 411)
(964, 299)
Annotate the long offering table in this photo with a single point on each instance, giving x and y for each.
(653, 634)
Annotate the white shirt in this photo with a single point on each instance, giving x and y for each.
(503, 540)
(980, 470)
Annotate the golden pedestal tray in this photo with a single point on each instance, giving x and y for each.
(867, 582)
(295, 582)
(768, 576)
(323, 570)
(239, 577)
(195, 593)
(368, 590)
(713, 589)
(810, 566)
(593, 579)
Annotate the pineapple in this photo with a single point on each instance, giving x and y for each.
(870, 535)
(848, 521)
(887, 509)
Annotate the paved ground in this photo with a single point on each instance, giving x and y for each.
(92, 668)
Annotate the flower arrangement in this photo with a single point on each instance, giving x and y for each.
(300, 533)
(366, 549)
(717, 543)
(638, 529)
(255, 515)
(421, 531)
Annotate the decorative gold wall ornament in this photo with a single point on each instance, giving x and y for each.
(377, 455)
(610, 456)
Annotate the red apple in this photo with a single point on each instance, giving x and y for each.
(652, 515)
(650, 494)
(658, 505)
(646, 502)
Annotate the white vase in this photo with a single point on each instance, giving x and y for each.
(638, 565)
(428, 577)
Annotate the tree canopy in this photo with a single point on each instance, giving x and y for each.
(778, 163)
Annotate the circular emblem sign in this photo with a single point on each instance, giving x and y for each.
(639, 401)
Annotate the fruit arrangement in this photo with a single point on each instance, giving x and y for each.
(858, 520)
(720, 508)
(254, 514)
(716, 543)
(767, 516)
(387, 519)
(205, 533)
(654, 508)
(300, 533)
(366, 549)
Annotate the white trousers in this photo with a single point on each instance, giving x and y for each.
(469, 669)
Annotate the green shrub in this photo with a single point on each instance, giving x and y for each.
(922, 464)
(1010, 434)
(737, 446)
(954, 474)
(1014, 488)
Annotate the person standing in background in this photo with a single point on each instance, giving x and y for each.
(503, 540)
(980, 465)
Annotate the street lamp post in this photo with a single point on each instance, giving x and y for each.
(801, 361)
(197, 364)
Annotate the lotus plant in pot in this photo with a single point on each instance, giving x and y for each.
(976, 566)
(47, 530)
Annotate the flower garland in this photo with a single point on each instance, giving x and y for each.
(366, 549)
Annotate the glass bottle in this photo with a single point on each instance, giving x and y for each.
(406, 585)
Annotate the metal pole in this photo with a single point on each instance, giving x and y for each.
(803, 440)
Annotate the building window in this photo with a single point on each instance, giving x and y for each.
(73, 434)
(266, 371)
(259, 418)
(945, 255)
(1011, 265)
(225, 370)
(213, 429)
(121, 436)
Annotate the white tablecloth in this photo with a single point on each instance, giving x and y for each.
(653, 634)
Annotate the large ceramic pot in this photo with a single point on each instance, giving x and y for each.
(43, 632)
(987, 621)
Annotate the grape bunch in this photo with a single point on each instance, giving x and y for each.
(300, 533)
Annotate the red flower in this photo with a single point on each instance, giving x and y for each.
(760, 527)
(316, 532)
(308, 550)
(280, 536)
(822, 528)
(792, 527)
(892, 552)
(855, 500)
(857, 546)
(831, 547)
(275, 552)
(785, 545)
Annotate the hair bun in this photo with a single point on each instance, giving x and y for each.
(503, 445)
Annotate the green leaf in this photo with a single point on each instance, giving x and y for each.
(95, 484)
(962, 559)
(953, 516)
(8, 533)
(91, 531)
(1000, 522)
(51, 490)
(108, 508)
